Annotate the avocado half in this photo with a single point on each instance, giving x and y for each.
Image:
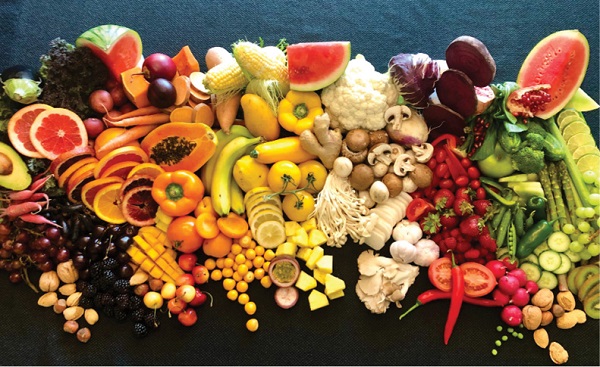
(14, 174)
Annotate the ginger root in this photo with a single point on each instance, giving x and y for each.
(321, 141)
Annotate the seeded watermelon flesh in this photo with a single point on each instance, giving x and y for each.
(561, 60)
(315, 65)
(120, 48)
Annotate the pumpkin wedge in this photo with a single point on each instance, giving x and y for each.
(180, 145)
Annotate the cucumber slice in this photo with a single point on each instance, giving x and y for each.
(547, 280)
(565, 264)
(501, 252)
(541, 248)
(532, 271)
(532, 258)
(559, 241)
(549, 260)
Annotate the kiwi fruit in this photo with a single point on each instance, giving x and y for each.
(591, 305)
(584, 273)
(571, 279)
(587, 286)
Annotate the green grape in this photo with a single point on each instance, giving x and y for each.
(598, 220)
(580, 212)
(594, 199)
(568, 229)
(597, 210)
(589, 212)
(585, 254)
(584, 226)
(597, 182)
(593, 249)
(575, 246)
(589, 177)
(584, 238)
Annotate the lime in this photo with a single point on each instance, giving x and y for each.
(580, 139)
(585, 149)
(589, 162)
(568, 120)
(575, 127)
(567, 112)
(270, 234)
(581, 101)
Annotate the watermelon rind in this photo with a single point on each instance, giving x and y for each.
(315, 65)
(561, 60)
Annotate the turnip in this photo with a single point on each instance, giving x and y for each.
(101, 101)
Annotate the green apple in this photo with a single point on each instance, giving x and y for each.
(498, 164)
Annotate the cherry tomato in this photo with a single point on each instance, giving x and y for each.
(183, 235)
(442, 171)
(462, 181)
(439, 273)
(432, 163)
(418, 209)
(188, 317)
(479, 280)
(447, 184)
(466, 162)
(201, 274)
(187, 261)
(440, 155)
(473, 173)
(480, 193)
(475, 184)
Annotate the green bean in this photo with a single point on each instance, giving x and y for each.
(519, 221)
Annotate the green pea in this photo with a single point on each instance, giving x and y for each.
(494, 352)
(498, 343)
(499, 328)
(504, 338)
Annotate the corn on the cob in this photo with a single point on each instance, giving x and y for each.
(225, 78)
(261, 62)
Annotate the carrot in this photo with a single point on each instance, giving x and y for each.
(206, 225)
(148, 110)
(227, 110)
(157, 118)
(233, 225)
(133, 133)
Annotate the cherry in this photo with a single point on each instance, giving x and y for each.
(187, 261)
(200, 273)
(188, 317)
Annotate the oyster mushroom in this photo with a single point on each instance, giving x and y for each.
(423, 152)
(403, 165)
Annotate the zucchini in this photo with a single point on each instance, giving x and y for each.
(550, 260)
(547, 280)
(532, 270)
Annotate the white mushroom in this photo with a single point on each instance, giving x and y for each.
(380, 169)
(395, 115)
(423, 152)
(380, 153)
(397, 149)
(403, 165)
(366, 197)
(379, 192)
(408, 185)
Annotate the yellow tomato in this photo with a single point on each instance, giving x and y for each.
(298, 206)
(317, 171)
(284, 175)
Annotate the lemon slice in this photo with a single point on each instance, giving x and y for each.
(575, 127)
(266, 216)
(585, 149)
(579, 140)
(253, 203)
(270, 234)
(261, 208)
(589, 162)
(107, 206)
(260, 191)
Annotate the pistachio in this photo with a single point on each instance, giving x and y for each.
(49, 281)
(532, 317)
(48, 299)
(59, 306)
(138, 278)
(541, 338)
(558, 354)
(566, 300)
(67, 289)
(71, 326)
(73, 299)
(580, 315)
(567, 321)
(91, 316)
(557, 310)
(73, 313)
(84, 334)
(67, 272)
(544, 298)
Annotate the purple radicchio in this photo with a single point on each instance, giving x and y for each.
(415, 76)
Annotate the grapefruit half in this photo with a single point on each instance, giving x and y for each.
(19, 126)
(56, 131)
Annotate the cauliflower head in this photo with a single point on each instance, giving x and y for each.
(359, 98)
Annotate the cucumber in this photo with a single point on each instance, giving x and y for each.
(547, 280)
(549, 260)
(501, 252)
(532, 258)
(565, 264)
(559, 241)
(541, 248)
(532, 270)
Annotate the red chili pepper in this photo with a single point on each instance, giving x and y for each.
(456, 169)
(458, 293)
(449, 138)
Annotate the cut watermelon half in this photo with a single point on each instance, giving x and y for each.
(315, 65)
(56, 131)
(120, 48)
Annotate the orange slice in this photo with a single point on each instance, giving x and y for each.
(107, 206)
(63, 178)
(74, 187)
(90, 189)
(147, 169)
(119, 155)
(119, 170)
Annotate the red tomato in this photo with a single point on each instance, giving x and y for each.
(183, 235)
(418, 209)
(479, 280)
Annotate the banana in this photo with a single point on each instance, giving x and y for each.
(237, 198)
(220, 185)
(207, 171)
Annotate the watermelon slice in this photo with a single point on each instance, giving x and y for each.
(120, 48)
(315, 65)
(560, 60)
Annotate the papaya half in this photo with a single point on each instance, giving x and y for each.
(180, 145)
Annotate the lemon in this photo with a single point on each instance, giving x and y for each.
(259, 209)
(249, 174)
(266, 216)
(270, 234)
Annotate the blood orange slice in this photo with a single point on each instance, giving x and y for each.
(120, 155)
(65, 176)
(121, 169)
(138, 206)
(107, 205)
(90, 189)
(74, 186)
(19, 126)
(56, 131)
(65, 160)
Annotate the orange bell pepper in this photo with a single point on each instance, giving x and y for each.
(177, 193)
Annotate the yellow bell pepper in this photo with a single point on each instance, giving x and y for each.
(297, 111)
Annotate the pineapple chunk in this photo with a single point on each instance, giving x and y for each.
(291, 227)
(300, 238)
(305, 282)
(319, 275)
(335, 295)
(325, 264)
(315, 255)
(333, 284)
(286, 248)
(309, 224)
(317, 300)
(303, 253)
(316, 237)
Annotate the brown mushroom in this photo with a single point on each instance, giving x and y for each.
(355, 157)
(378, 136)
(393, 183)
(422, 175)
(380, 153)
(361, 177)
(357, 140)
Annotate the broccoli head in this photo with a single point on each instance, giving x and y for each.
(528, 160)
(536, 128)
(534, 141)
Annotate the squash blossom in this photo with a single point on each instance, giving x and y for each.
(177, 193)
(297, 111)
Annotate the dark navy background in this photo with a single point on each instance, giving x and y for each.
(344, 333)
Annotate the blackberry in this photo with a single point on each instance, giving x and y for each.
(89, 291)
(151, 320)
(107, 299)
(80, 285)
(107, 280)
(120, 315)
(86, 302)
(138, 315)
(109, 263)
(98, 301)
(121, 286)
(140, 330)
(122, 301)
(109, 311)
(96, 270)
(135, 301)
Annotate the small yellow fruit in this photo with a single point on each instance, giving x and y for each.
(298, 206)
(248, 173)
(284, 175)
(252, 325)
(317, 172)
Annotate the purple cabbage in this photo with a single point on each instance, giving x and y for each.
(415, 75)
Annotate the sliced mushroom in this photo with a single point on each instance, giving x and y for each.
(423, 152)
(395, 115)
(380, 153)
(397, 149)
(403, 165)
(355, 157)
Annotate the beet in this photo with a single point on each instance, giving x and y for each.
(443, 120)
(455, 90)
(469, 55)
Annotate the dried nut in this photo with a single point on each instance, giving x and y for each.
(73, 300)
(84, 334)
(59, 306)
(566, 321)
(71, 326)
(141, 289)
(580, 315)
(558, 354)
(67, 289)
(544, 298)
(73, 313)
(48, 299)
(67, 272)
(541, 338)
(49, 281)
(156, 284)
(547, 318)
(566, 300)
(91, 316)
(557, 310)
(140, 277)
(532, 317)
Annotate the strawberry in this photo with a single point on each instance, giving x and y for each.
(443, 199)
(431, 224)
(482, 207)
(472, 225)
(487, 242)
(448, 219)
(463, 206)
(465, 193)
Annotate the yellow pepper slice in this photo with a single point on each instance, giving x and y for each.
(297, 111)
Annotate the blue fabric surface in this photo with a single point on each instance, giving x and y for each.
(344, 333)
